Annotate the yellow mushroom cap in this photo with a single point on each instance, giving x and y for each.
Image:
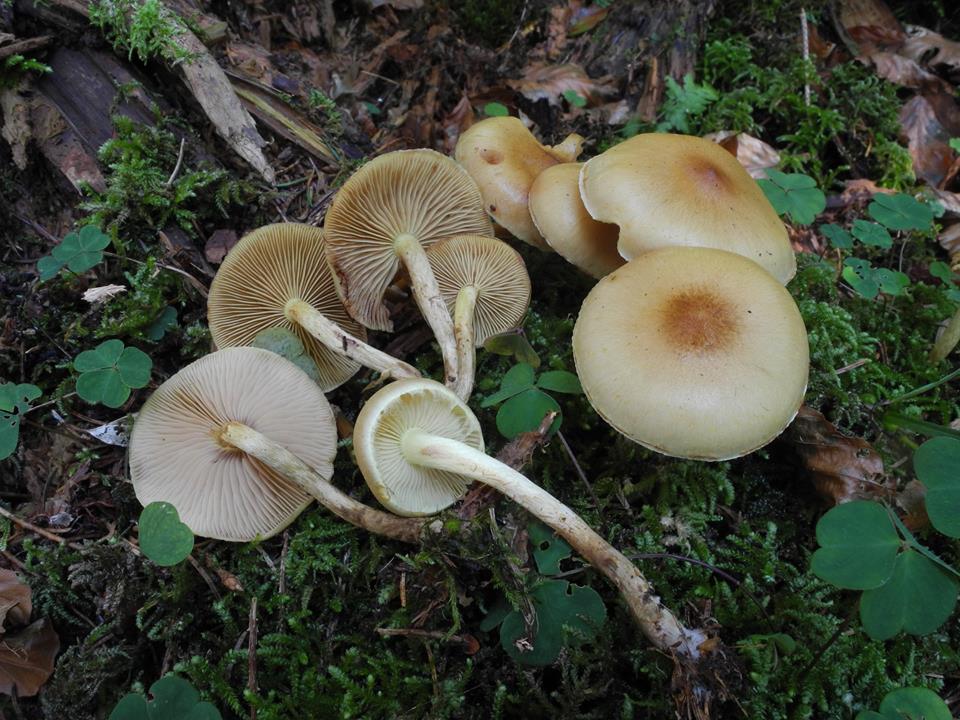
(497, 273)
(408, 192)
(560, 216)
(402, 487)
(693, 352)
(504, 158)
(219, 491)
(664, 190)
(266, 269)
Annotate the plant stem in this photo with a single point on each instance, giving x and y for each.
(659, 625)
(343, 343)
(289, 466)
(427, 294)
(465, 341)
(923, 388)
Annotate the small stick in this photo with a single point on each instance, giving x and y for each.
(176, 168)
(424, 635)
(38, 530)
(852, 366)
(805, 33)
(580, 472)
(252, 654)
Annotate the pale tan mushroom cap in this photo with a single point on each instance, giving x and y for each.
(221, 492)
(559, 214)
(401, 487)
(664, 190)
(693, 352)
(497, 272)
(267, 268)
(504, 158)
(417, 192)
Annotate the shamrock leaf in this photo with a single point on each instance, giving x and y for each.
(525, 411)
(914, 703)
(901, 212)
(870, 233)
(937, 464)
(891, 282)
(548, 549)
(858, 546)
(110, 371)
(171, 698)
(167, 320)
(78, 252)
(285, 343)
(794, 194)
(513, 343)
(163, 538)
(560, 381)
(942, 271)
(837, 236)
(860, 274)
(515, 380)
(918, 598)
(14, 402)
(566, 615)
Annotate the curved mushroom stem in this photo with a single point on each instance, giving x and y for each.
(465, 339)
(343, 343)
(657, 622)
(289, 466)
(427, 294)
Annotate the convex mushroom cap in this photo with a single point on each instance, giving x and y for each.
(504, 158)
(693, 352)
(565, 224)
(664, 190)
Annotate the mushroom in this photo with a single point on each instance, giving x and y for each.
(559, 214)
(487, 290)
(665, 190)
(388, 213)
(277, 276)
(222, 441)
(693, 352)
(504, 158)
(417, 445)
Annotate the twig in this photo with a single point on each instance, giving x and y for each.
(805, 32)
(252, 654)
(203, 573)
(176, 168)
(38, 530)
(579, 470)
(852, 366)
(425, 635)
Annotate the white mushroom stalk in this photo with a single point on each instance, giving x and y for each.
(417, 444)
(463, 309)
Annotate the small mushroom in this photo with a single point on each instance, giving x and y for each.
(693, 352)
(388, 213)
(664, 190)
(277, 276)
(504, 158)
(222, 441)
(487, 290)
(418, 445)
(559, 214)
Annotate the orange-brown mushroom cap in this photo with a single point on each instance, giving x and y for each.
(219, 491)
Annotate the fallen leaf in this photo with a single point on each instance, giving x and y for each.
(218, 245)
(948, 336)
(949, 240)
(15, 112)
(550, 82)
(912, 500)
(14, 599)
(557, 31)
(927, 140)
(586, 19)
(842, 468)
(26, 659)
(870, 25)
(102, 292)
(754, 154)
(904, 71)
(933, 50)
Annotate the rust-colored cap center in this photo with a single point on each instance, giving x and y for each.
(699, 321)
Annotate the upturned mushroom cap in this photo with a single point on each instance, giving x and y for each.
(504, 158)
(497, 273)
(260, 275)
(563, 221)
(219, 491)
(402, 487)
(408, 192)
(664, 190)
(693, 352)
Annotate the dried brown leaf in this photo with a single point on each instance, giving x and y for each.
(912, 500)
(15, 603)
(927, 140)
(218, 245)
(933, 50)
(26, 659)
(870, 25)
(557, 31)
(842, 468)
(903, 71)
(754, 154)
(586, 19)
(550, 82)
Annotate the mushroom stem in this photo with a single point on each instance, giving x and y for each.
(427, 294)
(289, 466)
(465, 340)
(659, 625)
(343, 343)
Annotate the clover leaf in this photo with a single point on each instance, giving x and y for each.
(870, 233)
(548, 549)
(110, 371)
(794, 194)
(15, 400)
(524, 402)
(285, 343)
(858, 546)
(937, 465)
(163, 538)
(78, 252)
(166, 320)
(869, 281)
(838, 237)
(171, 698)
(913, 703)
(901, 212)
(918, 598)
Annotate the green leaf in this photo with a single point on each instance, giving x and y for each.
(918, 598)
(837, 236)
(942, 271)
(513, 343)
(285, 342)
(548, 549)
(937, 465)
(173, 698)
(915, 703)
(163, 538)
(955, 144)
(167, 320)
(48, 267)
(79, 251)
(860, 275)
(858, 546)
(566, 615)
(683, 102)
(134, 366)
(870, 715)
(103, 386)
(794, 194)
(560, 381)
(870, 233)
(515, 380)
(110, 371)
(495, 109)
(891, 282)
(524, 413)
(14, 401)
(501, 608)
(894, 420)
(574, 98)
(104, 355)
(901, 212)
